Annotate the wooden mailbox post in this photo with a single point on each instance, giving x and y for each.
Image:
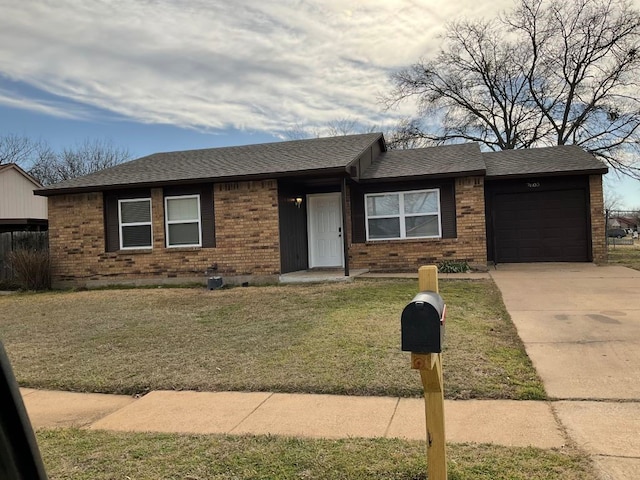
(430, 367)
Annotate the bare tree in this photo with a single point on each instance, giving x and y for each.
(334, 128)
(20, 150)
(347, 126)
(86, 157)
(408, 134)
(549, 72)
(612, 200)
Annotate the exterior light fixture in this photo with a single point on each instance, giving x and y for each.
(298, 201)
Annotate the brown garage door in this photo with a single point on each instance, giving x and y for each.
(540, 227)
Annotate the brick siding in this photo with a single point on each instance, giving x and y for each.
(246, 222)
(247, 239)
(598, 228)
(408, 255)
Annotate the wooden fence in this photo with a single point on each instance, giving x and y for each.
(10, 241)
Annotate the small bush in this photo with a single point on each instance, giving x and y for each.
(453, 266)
(31, 269)
(8, 285)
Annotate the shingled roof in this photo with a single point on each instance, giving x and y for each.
(559, 160)
(332, 156)
(447, 160)
(268, 160)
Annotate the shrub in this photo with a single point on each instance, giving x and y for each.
(31, 268)
(453, 266)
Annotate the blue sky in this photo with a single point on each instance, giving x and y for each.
(161, 75)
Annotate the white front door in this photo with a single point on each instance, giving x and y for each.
(324, 222)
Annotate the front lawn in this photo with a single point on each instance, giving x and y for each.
(625, 255)
(81, 454)
(326, 338)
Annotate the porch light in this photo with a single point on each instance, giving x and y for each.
(298, 201)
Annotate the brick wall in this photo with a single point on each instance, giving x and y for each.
(408, 255)
(246, 222)
(598, 228)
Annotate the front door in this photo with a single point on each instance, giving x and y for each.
(324, 224)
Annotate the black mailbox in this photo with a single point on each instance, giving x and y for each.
(422, 324)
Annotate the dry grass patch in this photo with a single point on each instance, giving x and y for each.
(328, 338)
(97, 455)
(625, 255)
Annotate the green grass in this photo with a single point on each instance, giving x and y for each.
(326, 338)
(625, 255)
(95, 455)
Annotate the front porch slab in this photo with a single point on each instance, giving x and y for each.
(321, 275)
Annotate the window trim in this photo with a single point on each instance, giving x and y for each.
(401, 215)
(134, 224)
(167, 222)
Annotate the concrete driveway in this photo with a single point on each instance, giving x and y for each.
(581, 328)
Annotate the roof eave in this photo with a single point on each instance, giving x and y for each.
(408, 178)
(565, 173)
(325, 172)
(19, 169)
(23, 221)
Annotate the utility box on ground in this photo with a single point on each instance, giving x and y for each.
(213, 283)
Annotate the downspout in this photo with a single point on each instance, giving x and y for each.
(345, 244)
(494, 238)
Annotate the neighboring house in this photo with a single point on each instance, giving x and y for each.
(20, 209)
(253, 212)
(627, 223)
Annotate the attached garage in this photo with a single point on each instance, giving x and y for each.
(539, 226)
(538, 209)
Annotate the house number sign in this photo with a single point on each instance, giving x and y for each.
(533, 184)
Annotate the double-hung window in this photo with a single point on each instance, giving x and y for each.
(134, 218)
(183, 224)
(400, 215)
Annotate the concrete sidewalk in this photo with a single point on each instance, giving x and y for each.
(501, 422)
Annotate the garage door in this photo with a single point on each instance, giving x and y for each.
(540, 227)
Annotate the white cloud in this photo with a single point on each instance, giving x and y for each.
(255, 64)
(54, 109)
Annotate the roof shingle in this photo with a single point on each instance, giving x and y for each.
(450, 160)
(269, 159)
(562, 159)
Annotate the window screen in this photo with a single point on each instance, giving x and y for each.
(183, 222)
(135, 223)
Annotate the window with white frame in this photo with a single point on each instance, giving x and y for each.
(398, 215)
(182, 216)
(134, 218)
